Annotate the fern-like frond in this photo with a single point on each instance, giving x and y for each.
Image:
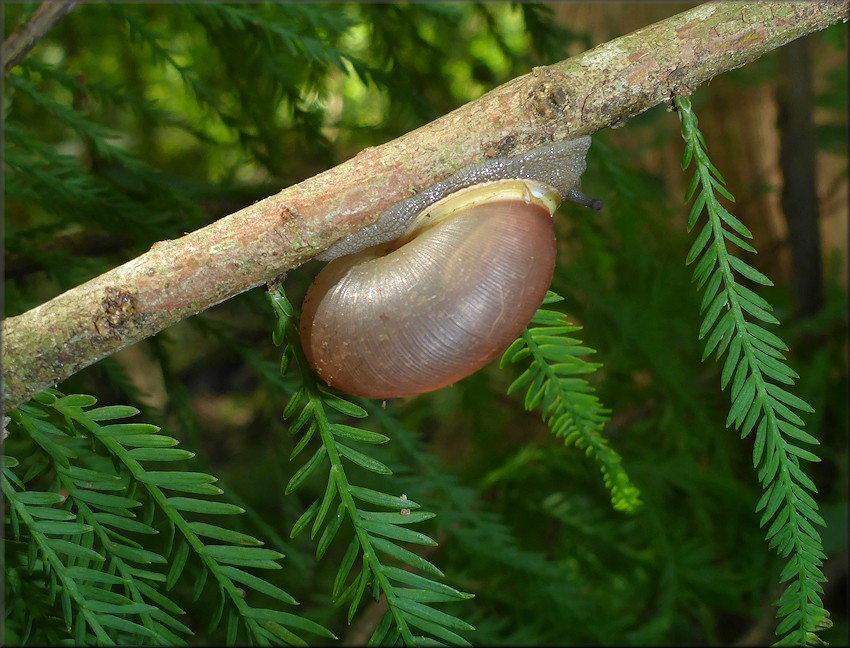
(76, 121)
(42, 175)
(110, 578)
(377, 533)
(38, 173)
(91, 608)
(567, 402)
(52, 558)
(755, 367)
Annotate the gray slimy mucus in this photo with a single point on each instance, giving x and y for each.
(557, 165)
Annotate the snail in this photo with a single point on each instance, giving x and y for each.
(444, 281)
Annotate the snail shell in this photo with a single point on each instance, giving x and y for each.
(460, 274)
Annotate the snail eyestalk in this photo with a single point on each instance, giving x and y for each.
(585, 201)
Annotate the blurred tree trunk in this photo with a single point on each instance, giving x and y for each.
(799, 189)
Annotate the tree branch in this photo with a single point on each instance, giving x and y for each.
(601, 87)
(22, 40)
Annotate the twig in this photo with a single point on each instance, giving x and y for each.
(22, 40)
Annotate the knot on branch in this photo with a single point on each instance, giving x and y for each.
(119, 306)
(551, 98)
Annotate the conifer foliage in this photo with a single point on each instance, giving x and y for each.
(566, 400)
(78, 545)
(733, 319)
(377, 533)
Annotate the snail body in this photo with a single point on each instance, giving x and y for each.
(444, 281)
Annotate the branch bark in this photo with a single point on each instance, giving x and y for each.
(22, 40)
(601, 87)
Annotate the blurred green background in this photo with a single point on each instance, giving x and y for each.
(129, 124)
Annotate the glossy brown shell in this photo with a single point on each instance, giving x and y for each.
(436, 309)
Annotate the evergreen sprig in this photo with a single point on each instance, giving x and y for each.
(101, 138)
(377, 533)
(107, 592)
(567, 402)
(755, 367)
(542, 590)
(289, 46)
(57, 182)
